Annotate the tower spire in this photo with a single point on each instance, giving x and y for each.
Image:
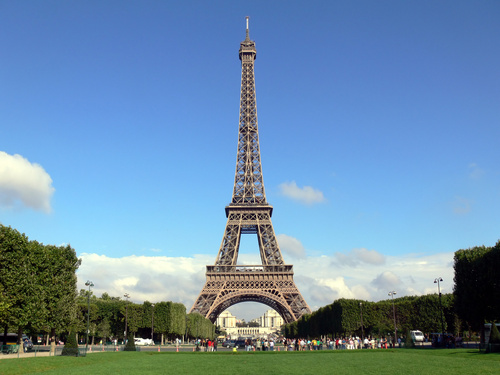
(248, 35)
(248, 182)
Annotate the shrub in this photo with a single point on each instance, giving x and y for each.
(494, 344)
(71, 346)
(130, 347)
(409, 341)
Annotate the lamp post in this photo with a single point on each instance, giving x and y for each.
(89, 284)
(436, 281)
(186, 332)
(126, 295)
(361, 311)
(152, 320)
(392, 293)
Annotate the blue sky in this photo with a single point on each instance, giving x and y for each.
(378, 121)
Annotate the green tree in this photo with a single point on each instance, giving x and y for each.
(477, 285)
(177, 320)
(110, 309)
(162, 318)
(39, 283)
(19, 280)
(59, 275)
(200, 327)
(104, 330)
(134, 314)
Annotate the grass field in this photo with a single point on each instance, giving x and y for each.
(399, 361)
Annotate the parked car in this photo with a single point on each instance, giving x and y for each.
(239, 344)
(143, 342)
(234, 344)
(11, 339)
(228, 344)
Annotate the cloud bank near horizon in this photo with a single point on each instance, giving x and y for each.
(367, 275)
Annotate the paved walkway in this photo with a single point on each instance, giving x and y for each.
(25, 355)
(44, 351)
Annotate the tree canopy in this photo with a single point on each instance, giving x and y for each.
(477, 285)
(38, 283)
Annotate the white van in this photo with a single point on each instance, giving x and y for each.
(417, 336)
(143, 342)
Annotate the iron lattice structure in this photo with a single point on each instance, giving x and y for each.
(271, 282)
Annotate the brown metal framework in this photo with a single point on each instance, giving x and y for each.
(271, 282)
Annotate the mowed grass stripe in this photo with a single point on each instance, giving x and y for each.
(400, 361)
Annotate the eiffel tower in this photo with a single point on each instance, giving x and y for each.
(271, 282)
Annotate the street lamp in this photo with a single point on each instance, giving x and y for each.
(152, 320)
(186, 334)
(436, 281)
(126, 295)
(392, 293)
(89, 284)
(361, 311)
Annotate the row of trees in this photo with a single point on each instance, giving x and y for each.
(38, 295)
(346, 317)
(37, 284)
(163, 320)
(475, 301)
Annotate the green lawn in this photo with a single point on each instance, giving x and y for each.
(399, 361)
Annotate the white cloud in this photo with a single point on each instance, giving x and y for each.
(337, 285)
(180, 279)
(291, 246)
(387, 280)
(307, 195)
(356, 257)
(22, 182)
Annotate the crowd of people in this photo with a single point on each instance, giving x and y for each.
(207, 345)
(446, 341)
(263, 344)
(301, 344)
(341, 343)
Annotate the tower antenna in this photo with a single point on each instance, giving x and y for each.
(248, 36)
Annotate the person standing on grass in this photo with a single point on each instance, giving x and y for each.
(248, 345)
